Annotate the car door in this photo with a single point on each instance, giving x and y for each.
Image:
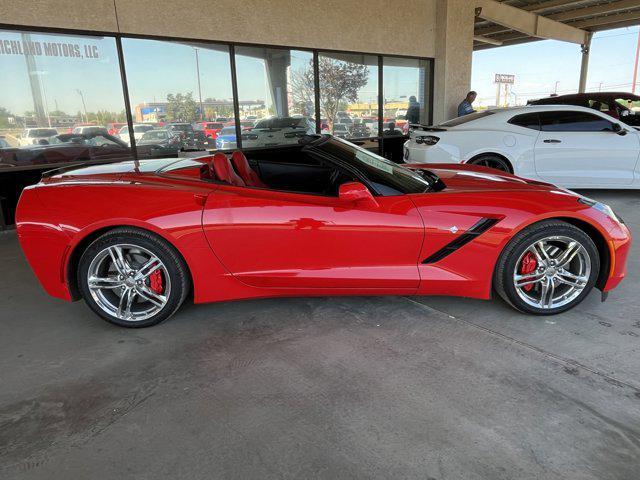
(578, 148)
(282, 239)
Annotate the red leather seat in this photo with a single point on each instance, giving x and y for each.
(241, 164)
(224, 171)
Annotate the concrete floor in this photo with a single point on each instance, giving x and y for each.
(429, 388)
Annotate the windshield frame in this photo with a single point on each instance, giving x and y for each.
(362, 169)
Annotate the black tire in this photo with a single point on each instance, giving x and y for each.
(503, 276)
(175, 267)
(491, 160)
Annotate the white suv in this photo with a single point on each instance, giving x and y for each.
(32, 136)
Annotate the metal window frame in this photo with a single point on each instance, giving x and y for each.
(118, 37)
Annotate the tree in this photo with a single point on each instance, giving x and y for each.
(4, 117)
(339, 84)
(182, 108)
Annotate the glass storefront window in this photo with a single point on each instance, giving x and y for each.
(406, 92)
(181, 96)
(275, 95)
(60, 100)
(349, 95)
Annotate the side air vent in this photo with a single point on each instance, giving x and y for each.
(478, 228)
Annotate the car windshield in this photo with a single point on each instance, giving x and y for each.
(467, 118)
(387, 177)
(155, 135)
(183, 127)
(228, 131)
(142, 128)
(42, 132)
(286, 122)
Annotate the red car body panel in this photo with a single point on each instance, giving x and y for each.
(241, 242)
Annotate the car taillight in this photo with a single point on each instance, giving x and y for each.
(426, 139)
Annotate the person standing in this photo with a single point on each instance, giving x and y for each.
(465, 107)
(413, 111)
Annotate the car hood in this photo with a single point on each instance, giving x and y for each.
(471, 178)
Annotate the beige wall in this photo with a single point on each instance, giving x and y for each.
(427, 28)
(333, 24)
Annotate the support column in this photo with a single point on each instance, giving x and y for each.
(454, 49)
(584, 66)
(277, 64)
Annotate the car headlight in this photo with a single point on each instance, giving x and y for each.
(426, 139)
(601, 207)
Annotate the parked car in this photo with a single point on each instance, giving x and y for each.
(210, 129)
(575, 147)
(191, 139)
(88, 130)
(160, 142)
(341, 130)
(620, 105)
(32, 136)
(339, 221)
(64, 148)
(224, 119)
(277, 131)
(114, 128)
(226, 140)
(4, 143)
(247, 125)
(359, 130)
(139, 129)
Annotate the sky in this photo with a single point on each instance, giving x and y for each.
(537, 66)
(155, 69)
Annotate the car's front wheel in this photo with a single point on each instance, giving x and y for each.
(547, 268)
(132, 278)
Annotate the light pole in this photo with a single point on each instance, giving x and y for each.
(84, 105)
(555, 89)
(199, 90)
(635, 65)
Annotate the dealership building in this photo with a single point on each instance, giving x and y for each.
(124, 62)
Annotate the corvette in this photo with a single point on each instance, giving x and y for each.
(323, 217)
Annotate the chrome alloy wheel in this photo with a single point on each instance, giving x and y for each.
(556, 270)
(129, 282)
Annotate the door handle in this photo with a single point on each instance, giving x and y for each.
(552, 140)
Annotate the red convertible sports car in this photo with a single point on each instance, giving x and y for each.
(323, 217)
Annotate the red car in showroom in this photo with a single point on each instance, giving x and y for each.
(322, 217)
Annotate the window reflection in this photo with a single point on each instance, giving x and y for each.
(349, 95)
(181, 95)
(406, 87)
(60, 96)
(276, 95)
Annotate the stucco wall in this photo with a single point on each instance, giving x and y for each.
(376, 26)
(441, 29)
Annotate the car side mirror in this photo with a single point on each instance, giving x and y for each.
(617, 128)
(356, 192)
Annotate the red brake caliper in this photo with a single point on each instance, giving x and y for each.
(528, 265)
(155, 282)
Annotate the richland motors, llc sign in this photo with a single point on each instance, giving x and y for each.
(48, 49)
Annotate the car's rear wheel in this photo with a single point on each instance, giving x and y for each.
(547, 268)
(132, 278)
(491, 161)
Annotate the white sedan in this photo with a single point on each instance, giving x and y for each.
(574, 147)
